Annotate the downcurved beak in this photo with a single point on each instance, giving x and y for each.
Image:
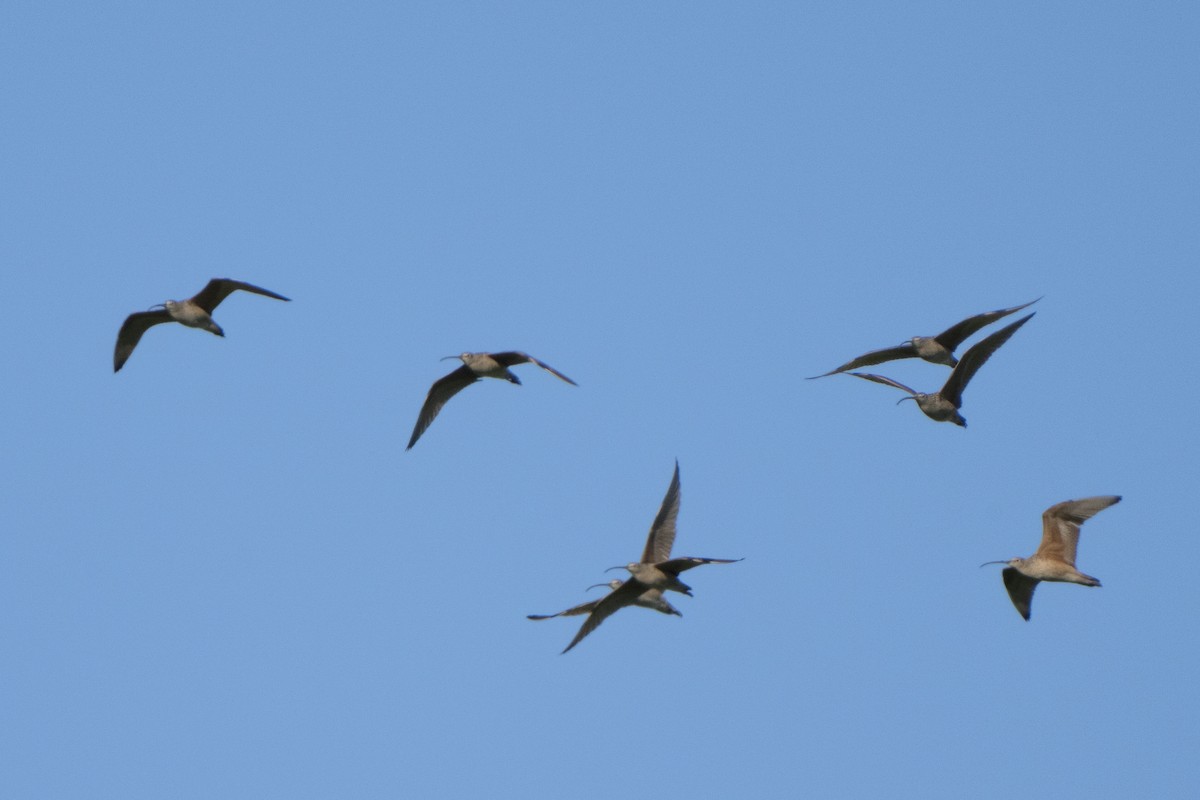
(446, 358)
(902, 399)
(618, 566)
(156, 306)
(984, 564)
(595, 585)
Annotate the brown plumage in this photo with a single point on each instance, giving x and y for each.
(1055, 556)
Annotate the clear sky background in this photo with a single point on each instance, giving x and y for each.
(221, 575)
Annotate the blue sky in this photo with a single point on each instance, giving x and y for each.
(222, 576)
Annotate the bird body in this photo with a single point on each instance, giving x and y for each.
(1055, 556)
(943, 405)
(195, 312)
(928, 348)
(474, 367)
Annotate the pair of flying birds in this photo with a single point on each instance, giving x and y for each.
(196, 312)
(942, 405)
(656, 573)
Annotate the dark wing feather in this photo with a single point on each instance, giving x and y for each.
(512, 357)
(975, 358)
(131, 333)
(219, 288)
(582, 608)
(442, 390)
(885, 381)
(623, 596)
(905, 350)
(683, 564)
(1020, 589)
(662, 532)
(955, 335)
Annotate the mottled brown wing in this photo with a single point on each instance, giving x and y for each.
(608, 605)
(881, 379)
(905, 350)
(512, 357)
(573, 611)
(131, 333)
(662, 532)
(975, 358)
(219, 288)
(1060, 525)
(955, 335)
(442, 390)
(678, 565)
(1020, 589)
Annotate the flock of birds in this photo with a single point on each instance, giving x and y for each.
(657, 572)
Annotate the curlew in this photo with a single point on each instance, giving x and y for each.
(195, 312)
(1055, 556)
(944, 404)
(651, 598)
(474, 367)
(936, 349)
(656, 571)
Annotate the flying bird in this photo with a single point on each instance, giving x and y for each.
(1055, 556)
(474, 367)
(656, 571)
(936, 349)
(651, 598)
(944, 404)
(195, 312)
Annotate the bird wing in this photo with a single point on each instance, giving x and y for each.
(573, 611)
(885, 381)
(610, 604)
(131, 333)
(442, 390)
(905, 350)
(678, 565)
(219, 288)
(512, 357)
(1060, 525)
(1020, 589)
(975, 358)
(662, 532)
(955, 335)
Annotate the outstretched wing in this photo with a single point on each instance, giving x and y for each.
(219, 288)
(131, 333)
(885, 381)
(1020, 589)
(608, 605)
(975, 358)
(955, 335)
(512, 357)
(442, 390)
(662, 532)
(573, 611)
(905, 350)
(1060, 525)
(678, 565)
